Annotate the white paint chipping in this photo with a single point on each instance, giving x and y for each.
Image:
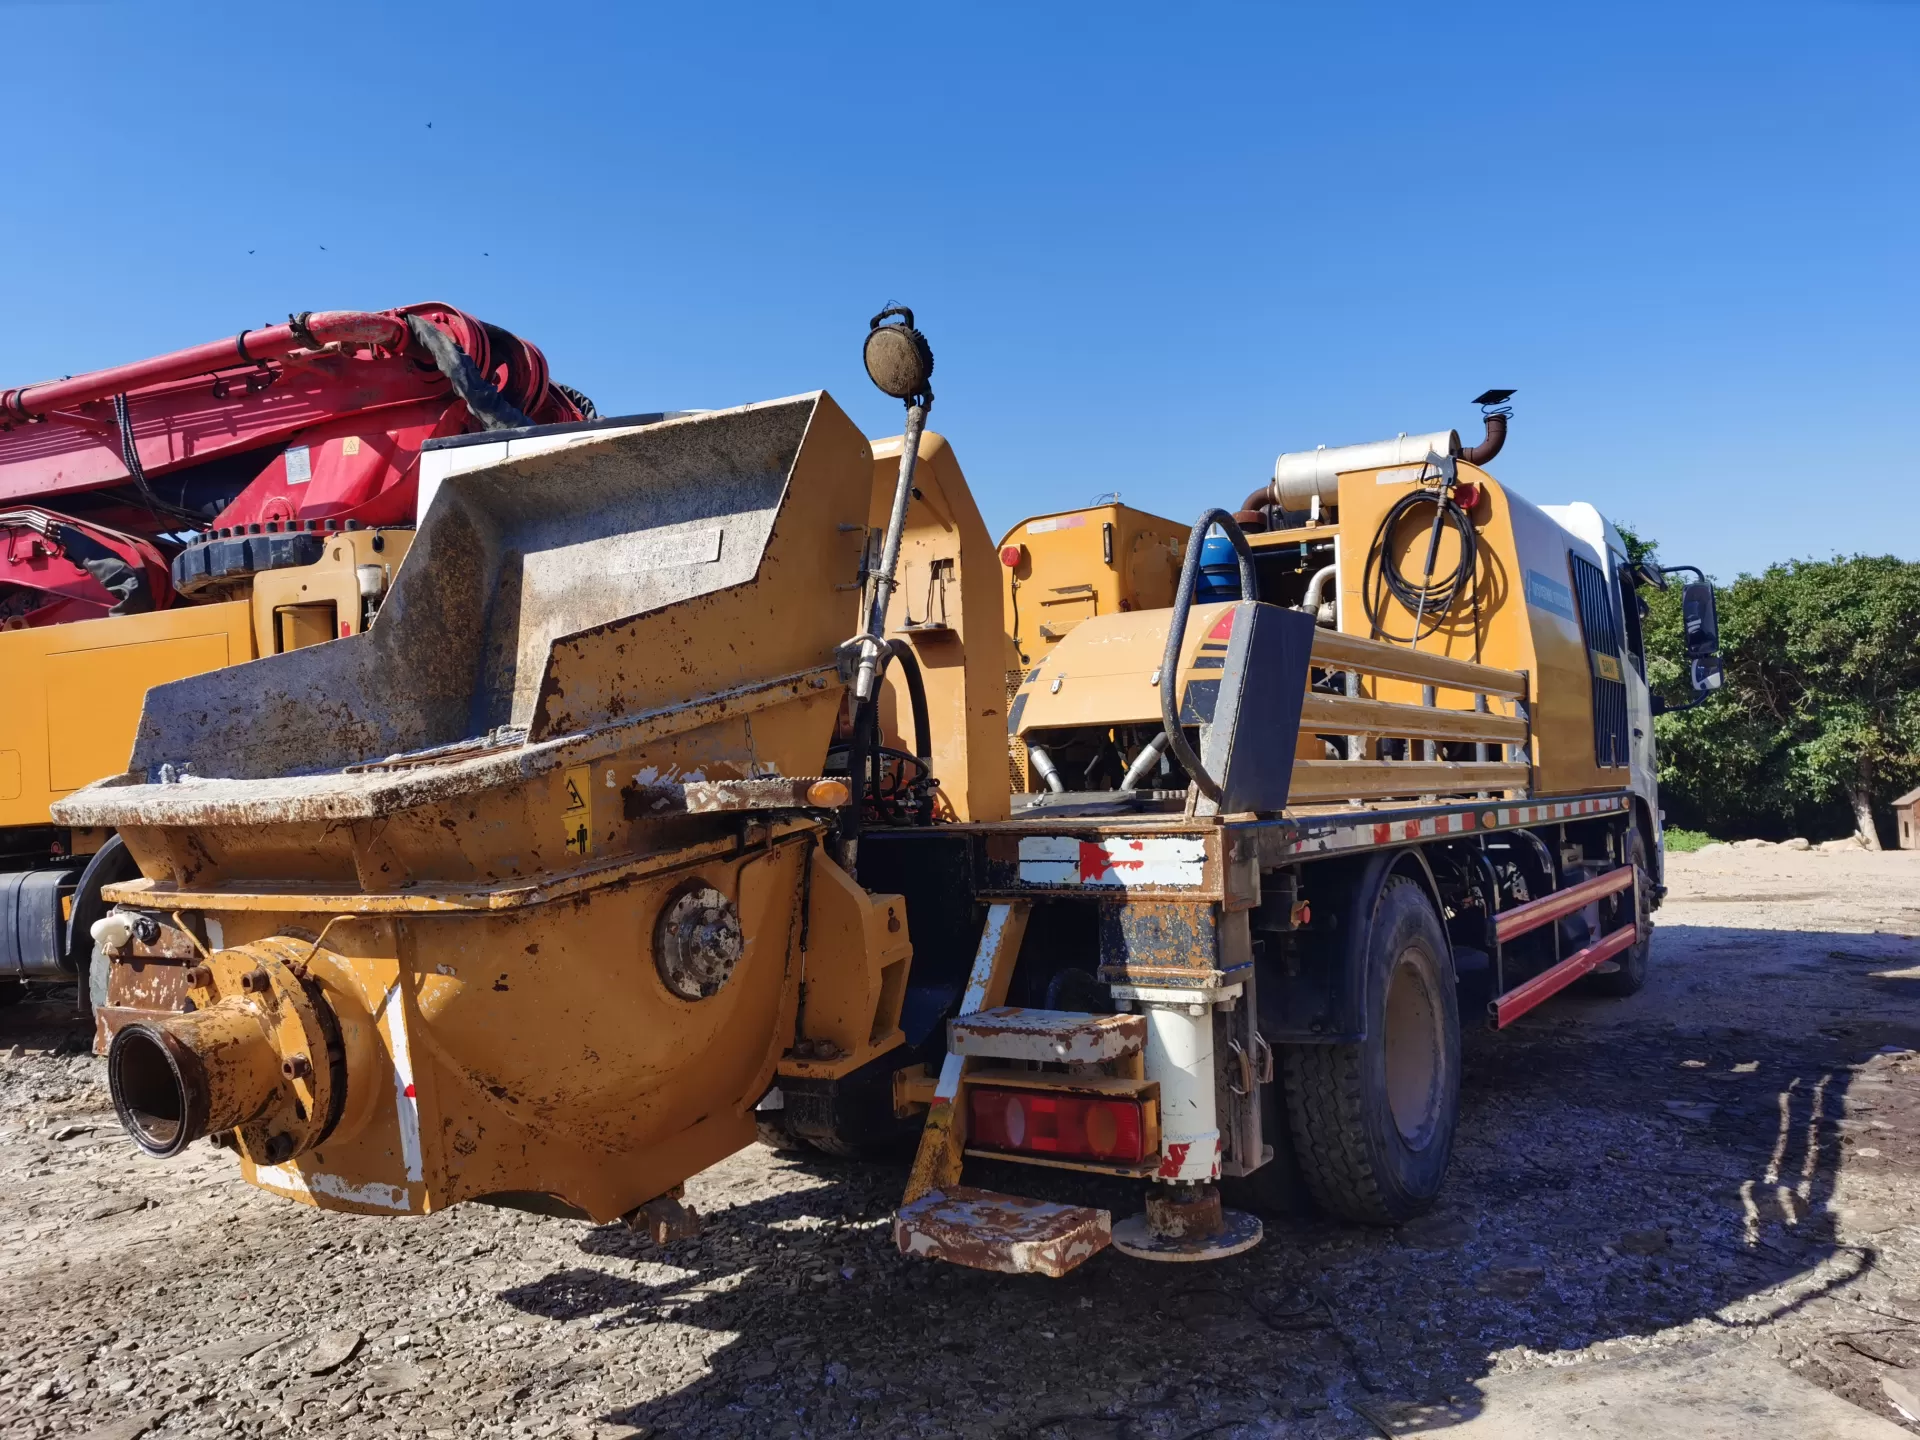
(1122, 863)
(990, 937)
(289, 1181)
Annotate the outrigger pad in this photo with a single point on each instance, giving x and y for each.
(985, 1230)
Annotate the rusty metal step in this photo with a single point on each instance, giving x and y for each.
(990, 1231)
(1013, 1032)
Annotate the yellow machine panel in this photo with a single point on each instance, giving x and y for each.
(77, 690)
(1520, 613)
(1073, 565)
(75, 700)
(947, 599)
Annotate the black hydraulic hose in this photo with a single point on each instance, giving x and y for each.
(136, 472)
(484, 401)
(917, 700)
(863, 746)
(1177, 634)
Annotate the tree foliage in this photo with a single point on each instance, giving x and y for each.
(1819, 720)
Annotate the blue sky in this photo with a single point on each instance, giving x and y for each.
(1152, 246)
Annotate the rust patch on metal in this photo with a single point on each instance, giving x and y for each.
(150, 985)
(988, 1231)
(1049, 1036)
(1185, 1212)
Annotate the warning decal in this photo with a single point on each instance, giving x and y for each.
(577, 809)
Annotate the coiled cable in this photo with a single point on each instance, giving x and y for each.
(1431, 598)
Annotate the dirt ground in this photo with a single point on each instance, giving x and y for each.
(1726, 1160)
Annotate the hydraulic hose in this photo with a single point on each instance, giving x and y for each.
(863, 747)
(1177, 634)
(484, 401)
(916, 700)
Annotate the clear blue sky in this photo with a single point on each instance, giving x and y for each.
(1153, 246)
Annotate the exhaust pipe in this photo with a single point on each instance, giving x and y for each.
(1302, 475)
(1488, 448)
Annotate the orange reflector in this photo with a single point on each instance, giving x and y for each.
(828, 794)
(1080, 1127)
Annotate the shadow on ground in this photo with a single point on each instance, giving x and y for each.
(1612, 1183)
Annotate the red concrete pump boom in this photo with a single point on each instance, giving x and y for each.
(310, 425)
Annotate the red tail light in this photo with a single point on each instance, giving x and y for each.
(1074, 1127)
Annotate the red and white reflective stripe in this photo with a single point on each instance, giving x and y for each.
(1364, 833)
(1125, 862)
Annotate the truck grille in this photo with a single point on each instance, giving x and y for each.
(1602, 630)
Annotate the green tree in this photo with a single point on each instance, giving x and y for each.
(1820, 714)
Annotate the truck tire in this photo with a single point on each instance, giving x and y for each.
(1373, 1122)
(1632, 962)
(775, 1136)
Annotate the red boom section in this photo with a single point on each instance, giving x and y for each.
(318, 422)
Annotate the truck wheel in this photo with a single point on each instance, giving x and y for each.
(1632, 962)
(1373, 1123)
(775, 1136)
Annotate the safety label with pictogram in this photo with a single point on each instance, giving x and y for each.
(577, 805)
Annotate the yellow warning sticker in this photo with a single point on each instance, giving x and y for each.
(350, 445)
(1605, 666)
(577, 809)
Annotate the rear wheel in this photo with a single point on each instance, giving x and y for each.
(1373, 1122)
(774, 1134)
(1630, 972)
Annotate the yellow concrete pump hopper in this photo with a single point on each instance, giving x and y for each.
(515, 896)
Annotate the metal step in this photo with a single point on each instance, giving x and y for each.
(990, 1231)
(1012, 1032)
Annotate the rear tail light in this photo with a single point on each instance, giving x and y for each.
(1075, 1127)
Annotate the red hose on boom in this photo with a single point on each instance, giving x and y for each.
(315, 423)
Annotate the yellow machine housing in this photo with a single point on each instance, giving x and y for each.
(1521, 614)
(1071, 565)
(522, 894)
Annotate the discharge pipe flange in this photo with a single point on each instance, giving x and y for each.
(256, 1052)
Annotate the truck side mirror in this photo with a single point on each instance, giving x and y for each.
(1700, 623)
(1707, 676)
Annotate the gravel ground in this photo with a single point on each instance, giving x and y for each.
(1728, 1158)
